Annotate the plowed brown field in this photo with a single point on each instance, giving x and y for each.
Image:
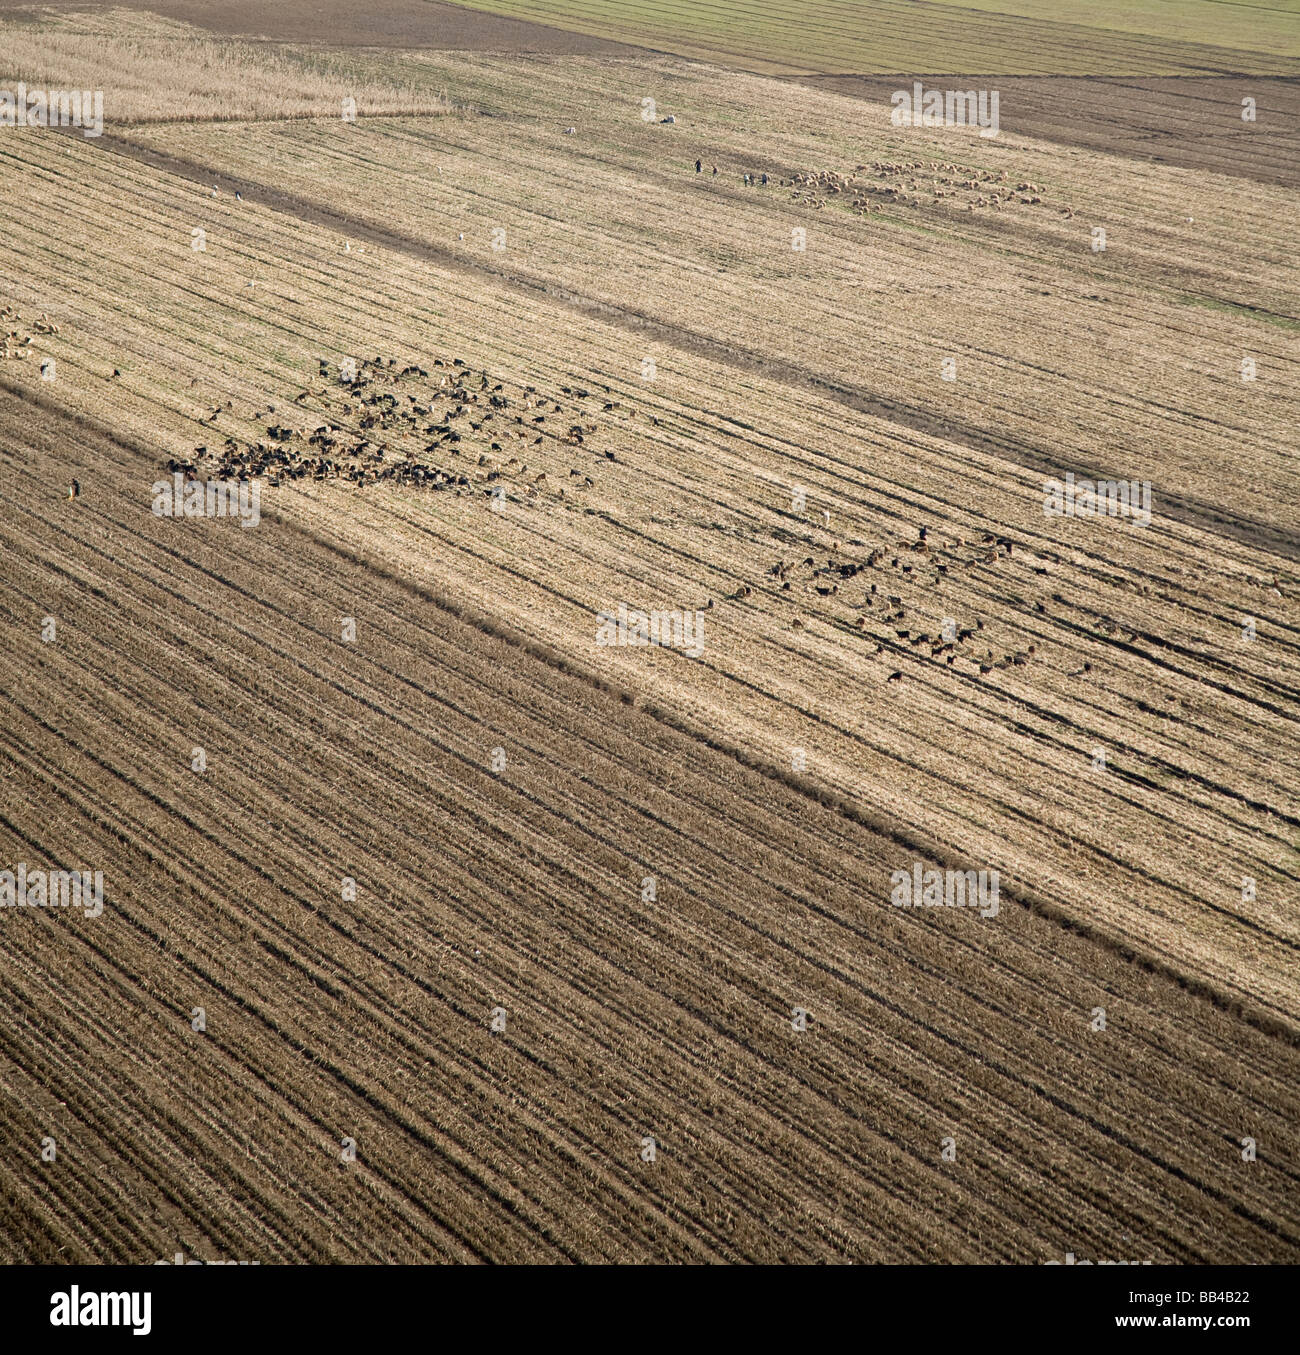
(522, 889)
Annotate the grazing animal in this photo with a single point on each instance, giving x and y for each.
(74, 490)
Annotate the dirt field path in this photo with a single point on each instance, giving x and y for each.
(400, 24)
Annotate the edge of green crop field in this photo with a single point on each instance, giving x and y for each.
(1238, 309)
(1004, 37)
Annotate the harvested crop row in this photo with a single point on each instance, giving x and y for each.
(605, 1004)
(507, 562)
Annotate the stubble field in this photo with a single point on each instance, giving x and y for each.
(644, 860)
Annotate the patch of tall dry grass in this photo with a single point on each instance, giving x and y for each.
(157, 70)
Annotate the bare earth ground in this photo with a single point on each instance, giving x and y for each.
(1191, 121)
(558, 266)
(404, 24)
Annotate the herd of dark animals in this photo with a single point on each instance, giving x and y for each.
(444, 418)
(886, 609)
(467, 402)
(470, 401)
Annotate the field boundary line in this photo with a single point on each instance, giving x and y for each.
(1267, 1022)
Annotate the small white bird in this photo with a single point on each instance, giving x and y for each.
(214, 190)
(239, 197)
(462, 235)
